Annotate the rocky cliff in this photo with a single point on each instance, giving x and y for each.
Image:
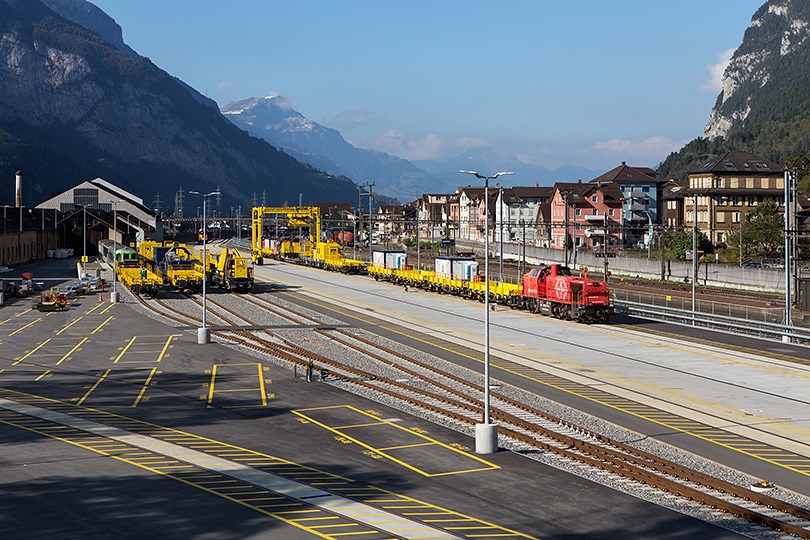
(772, 58)
(74, 106)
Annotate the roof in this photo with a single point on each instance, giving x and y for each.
(738, 162)
(611, 191)
(625, 173)
(533, 192)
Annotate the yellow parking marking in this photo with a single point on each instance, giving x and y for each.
(129, 349)
(24, 327)
(235, 378)
(452, 454)
(68, 326)
(102, 324)
(139, 394)
(51, 342)
(299, 513)
(124, 351)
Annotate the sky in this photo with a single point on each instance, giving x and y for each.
(590, 83)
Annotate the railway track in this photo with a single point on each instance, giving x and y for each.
(398, 377)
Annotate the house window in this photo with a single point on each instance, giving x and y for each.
(722, 200)
(721, 217)
(749, 183)
(689, 215)
(611, 212)
(579, 212)
(645, 189)
(719, 237)
(595, 198)
(752, 200)
(735, 217)
(736, 200)
(594, 212)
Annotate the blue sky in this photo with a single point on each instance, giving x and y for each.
(582, 82)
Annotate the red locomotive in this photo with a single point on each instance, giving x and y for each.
(554, 291)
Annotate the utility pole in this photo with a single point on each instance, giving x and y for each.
(370, 187)
(158, 203)
(178, 203)
(694, 255)
(787, 338)
(565, 234)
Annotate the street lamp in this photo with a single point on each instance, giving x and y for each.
(202, 333)
(486, 434)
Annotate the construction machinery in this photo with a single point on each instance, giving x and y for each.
(230, 270)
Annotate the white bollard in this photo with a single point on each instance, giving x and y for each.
(202, 336)
(486, 438)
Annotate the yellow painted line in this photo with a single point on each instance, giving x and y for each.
(106, 309)
(488, 465)
(363, 425)
(102, 324)
(408, 446)
(43, 375)
(165, 348)
(24, 327)
(32, 351)
(187, 477)
(145, 386)
(71, 351)
(91, 310)
(518, 370)
(211, 385)
(98, 382)
(68, 326)
(262, 391)
(131, 341)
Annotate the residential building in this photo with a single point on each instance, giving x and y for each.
(434, 215)
(519, 211)
(584, 212)
(724, 189)
(641, 197)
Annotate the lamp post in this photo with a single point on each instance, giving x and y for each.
(114, 293)
(500, 229)
(486, 434)
(202, 333)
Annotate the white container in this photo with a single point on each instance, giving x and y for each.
(49, 253)
(463, 268)
(394, 260)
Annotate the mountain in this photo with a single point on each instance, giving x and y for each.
(75, 106)
(491, 160)
(764, 104)
(273, 119)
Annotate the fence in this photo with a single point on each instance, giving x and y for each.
(720, 275)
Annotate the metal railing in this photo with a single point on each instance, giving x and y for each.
(712, 320)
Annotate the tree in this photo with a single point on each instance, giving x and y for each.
(763, 229)
(677, 243)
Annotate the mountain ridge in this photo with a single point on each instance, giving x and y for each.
(67, 93)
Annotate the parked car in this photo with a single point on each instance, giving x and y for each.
(754, 265)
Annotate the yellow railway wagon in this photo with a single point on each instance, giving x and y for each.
(503, 293)
(140, 280)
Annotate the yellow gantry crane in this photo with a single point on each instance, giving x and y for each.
(313, 252)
